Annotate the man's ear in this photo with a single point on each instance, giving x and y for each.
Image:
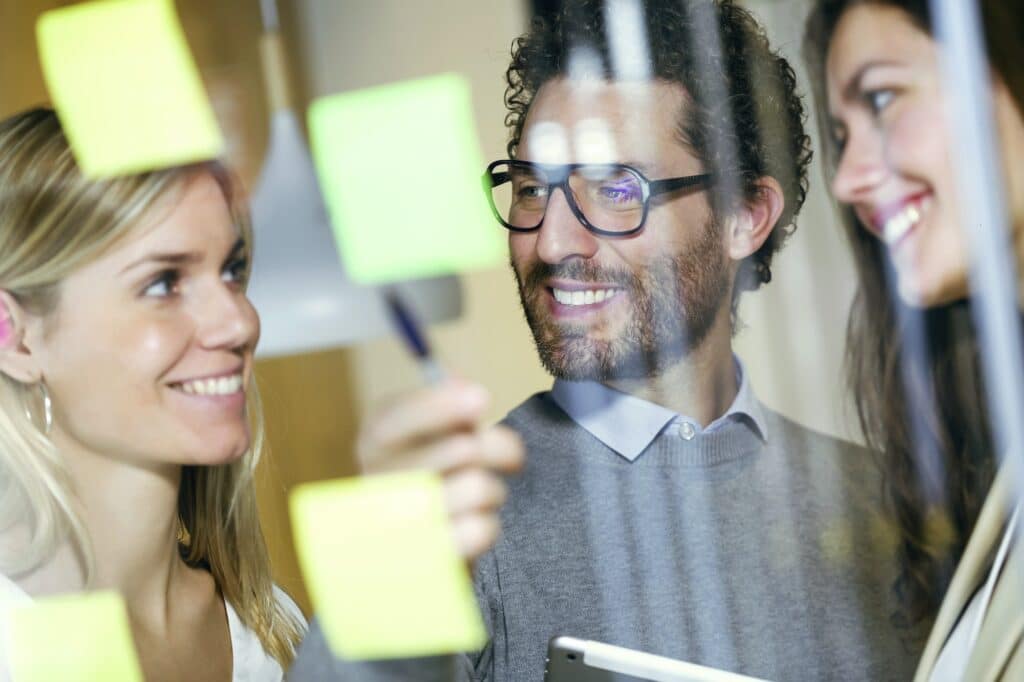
(16, 360)
(755, 221)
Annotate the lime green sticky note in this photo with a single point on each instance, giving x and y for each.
(382, 568)
(400, 170)
(72, 638)
(125, 86)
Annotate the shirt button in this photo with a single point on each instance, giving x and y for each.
(686, 431)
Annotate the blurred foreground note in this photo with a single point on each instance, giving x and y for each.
(400, 169)
(382, 569)
(125, 86)
(73, 638)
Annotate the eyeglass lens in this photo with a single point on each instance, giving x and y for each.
(610, 197)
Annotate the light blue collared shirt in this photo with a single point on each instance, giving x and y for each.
(628, 425)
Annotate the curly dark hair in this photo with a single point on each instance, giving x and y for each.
(745, 118)
(916, 375)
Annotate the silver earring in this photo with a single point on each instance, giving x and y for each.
(47, 409)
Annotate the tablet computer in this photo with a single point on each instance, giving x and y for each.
(578, 660)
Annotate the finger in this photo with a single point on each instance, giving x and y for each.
(473, 490)
(422, 416)
(448, 454)
(474, 534)
(497, 448)
(502, 449)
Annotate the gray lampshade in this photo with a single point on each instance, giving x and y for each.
(305, 300)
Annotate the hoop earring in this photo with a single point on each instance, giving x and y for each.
(47, 409)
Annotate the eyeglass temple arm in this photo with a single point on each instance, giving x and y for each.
(675, 184)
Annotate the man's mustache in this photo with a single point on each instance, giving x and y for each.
(580, 270)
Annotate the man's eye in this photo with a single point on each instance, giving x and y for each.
(165, 284)
(532, 191)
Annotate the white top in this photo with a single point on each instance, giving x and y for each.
(951, 664)
(250, 662)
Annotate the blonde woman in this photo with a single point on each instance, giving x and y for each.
(129, 422)
(126, 445)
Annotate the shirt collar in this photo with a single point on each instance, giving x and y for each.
(628, 425)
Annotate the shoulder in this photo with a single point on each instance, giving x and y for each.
(289, 606)
(784, 433)
(252, 663)
(541, 422)
(538, 407)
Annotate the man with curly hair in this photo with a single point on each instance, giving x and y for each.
(662, 507)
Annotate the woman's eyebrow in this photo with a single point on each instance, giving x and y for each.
(852, 89)
(179, 258)
(166, 258)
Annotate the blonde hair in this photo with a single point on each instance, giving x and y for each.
(52, 221)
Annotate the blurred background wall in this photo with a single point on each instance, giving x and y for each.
(794, 333)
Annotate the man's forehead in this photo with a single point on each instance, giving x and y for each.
(595, 121)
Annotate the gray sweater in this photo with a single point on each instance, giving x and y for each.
(768, 558)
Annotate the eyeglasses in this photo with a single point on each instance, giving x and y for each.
(609, 199)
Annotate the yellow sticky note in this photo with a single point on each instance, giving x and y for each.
(125, 87)
(400, 168)
(382, 568)
(72, 638)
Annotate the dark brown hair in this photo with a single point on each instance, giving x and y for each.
(744, 118)
(916, 374)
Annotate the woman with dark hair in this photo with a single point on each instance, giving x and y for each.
(913, 358)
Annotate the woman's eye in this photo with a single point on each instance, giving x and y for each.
(164, 285)
(237, 271)
(878, 100)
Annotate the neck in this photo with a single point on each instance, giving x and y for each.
(130, 512)
(701, 385)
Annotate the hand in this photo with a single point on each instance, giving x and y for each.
(438, 429)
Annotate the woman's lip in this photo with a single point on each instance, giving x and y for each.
(880, 216)
(240, 369)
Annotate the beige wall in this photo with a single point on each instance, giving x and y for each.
(797, 324)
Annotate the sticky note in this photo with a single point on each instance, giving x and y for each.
(125, 87)
(400, 169)
(382, 568)
(72, 638)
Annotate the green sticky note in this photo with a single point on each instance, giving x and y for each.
(400, 170)
(125, 86)
(72, 638)
(382, 568)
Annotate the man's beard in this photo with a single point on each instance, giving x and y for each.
(673, 304)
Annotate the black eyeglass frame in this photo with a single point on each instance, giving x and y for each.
(649, 189)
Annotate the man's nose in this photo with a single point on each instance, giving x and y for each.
(562, 235)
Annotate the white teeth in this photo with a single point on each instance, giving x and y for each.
(900, 224)
(219, 386)
(588, 297)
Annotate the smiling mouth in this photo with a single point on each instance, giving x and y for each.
(583, 297)
(898, 225)
(217, 386)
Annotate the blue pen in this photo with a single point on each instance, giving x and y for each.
(414, 337)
